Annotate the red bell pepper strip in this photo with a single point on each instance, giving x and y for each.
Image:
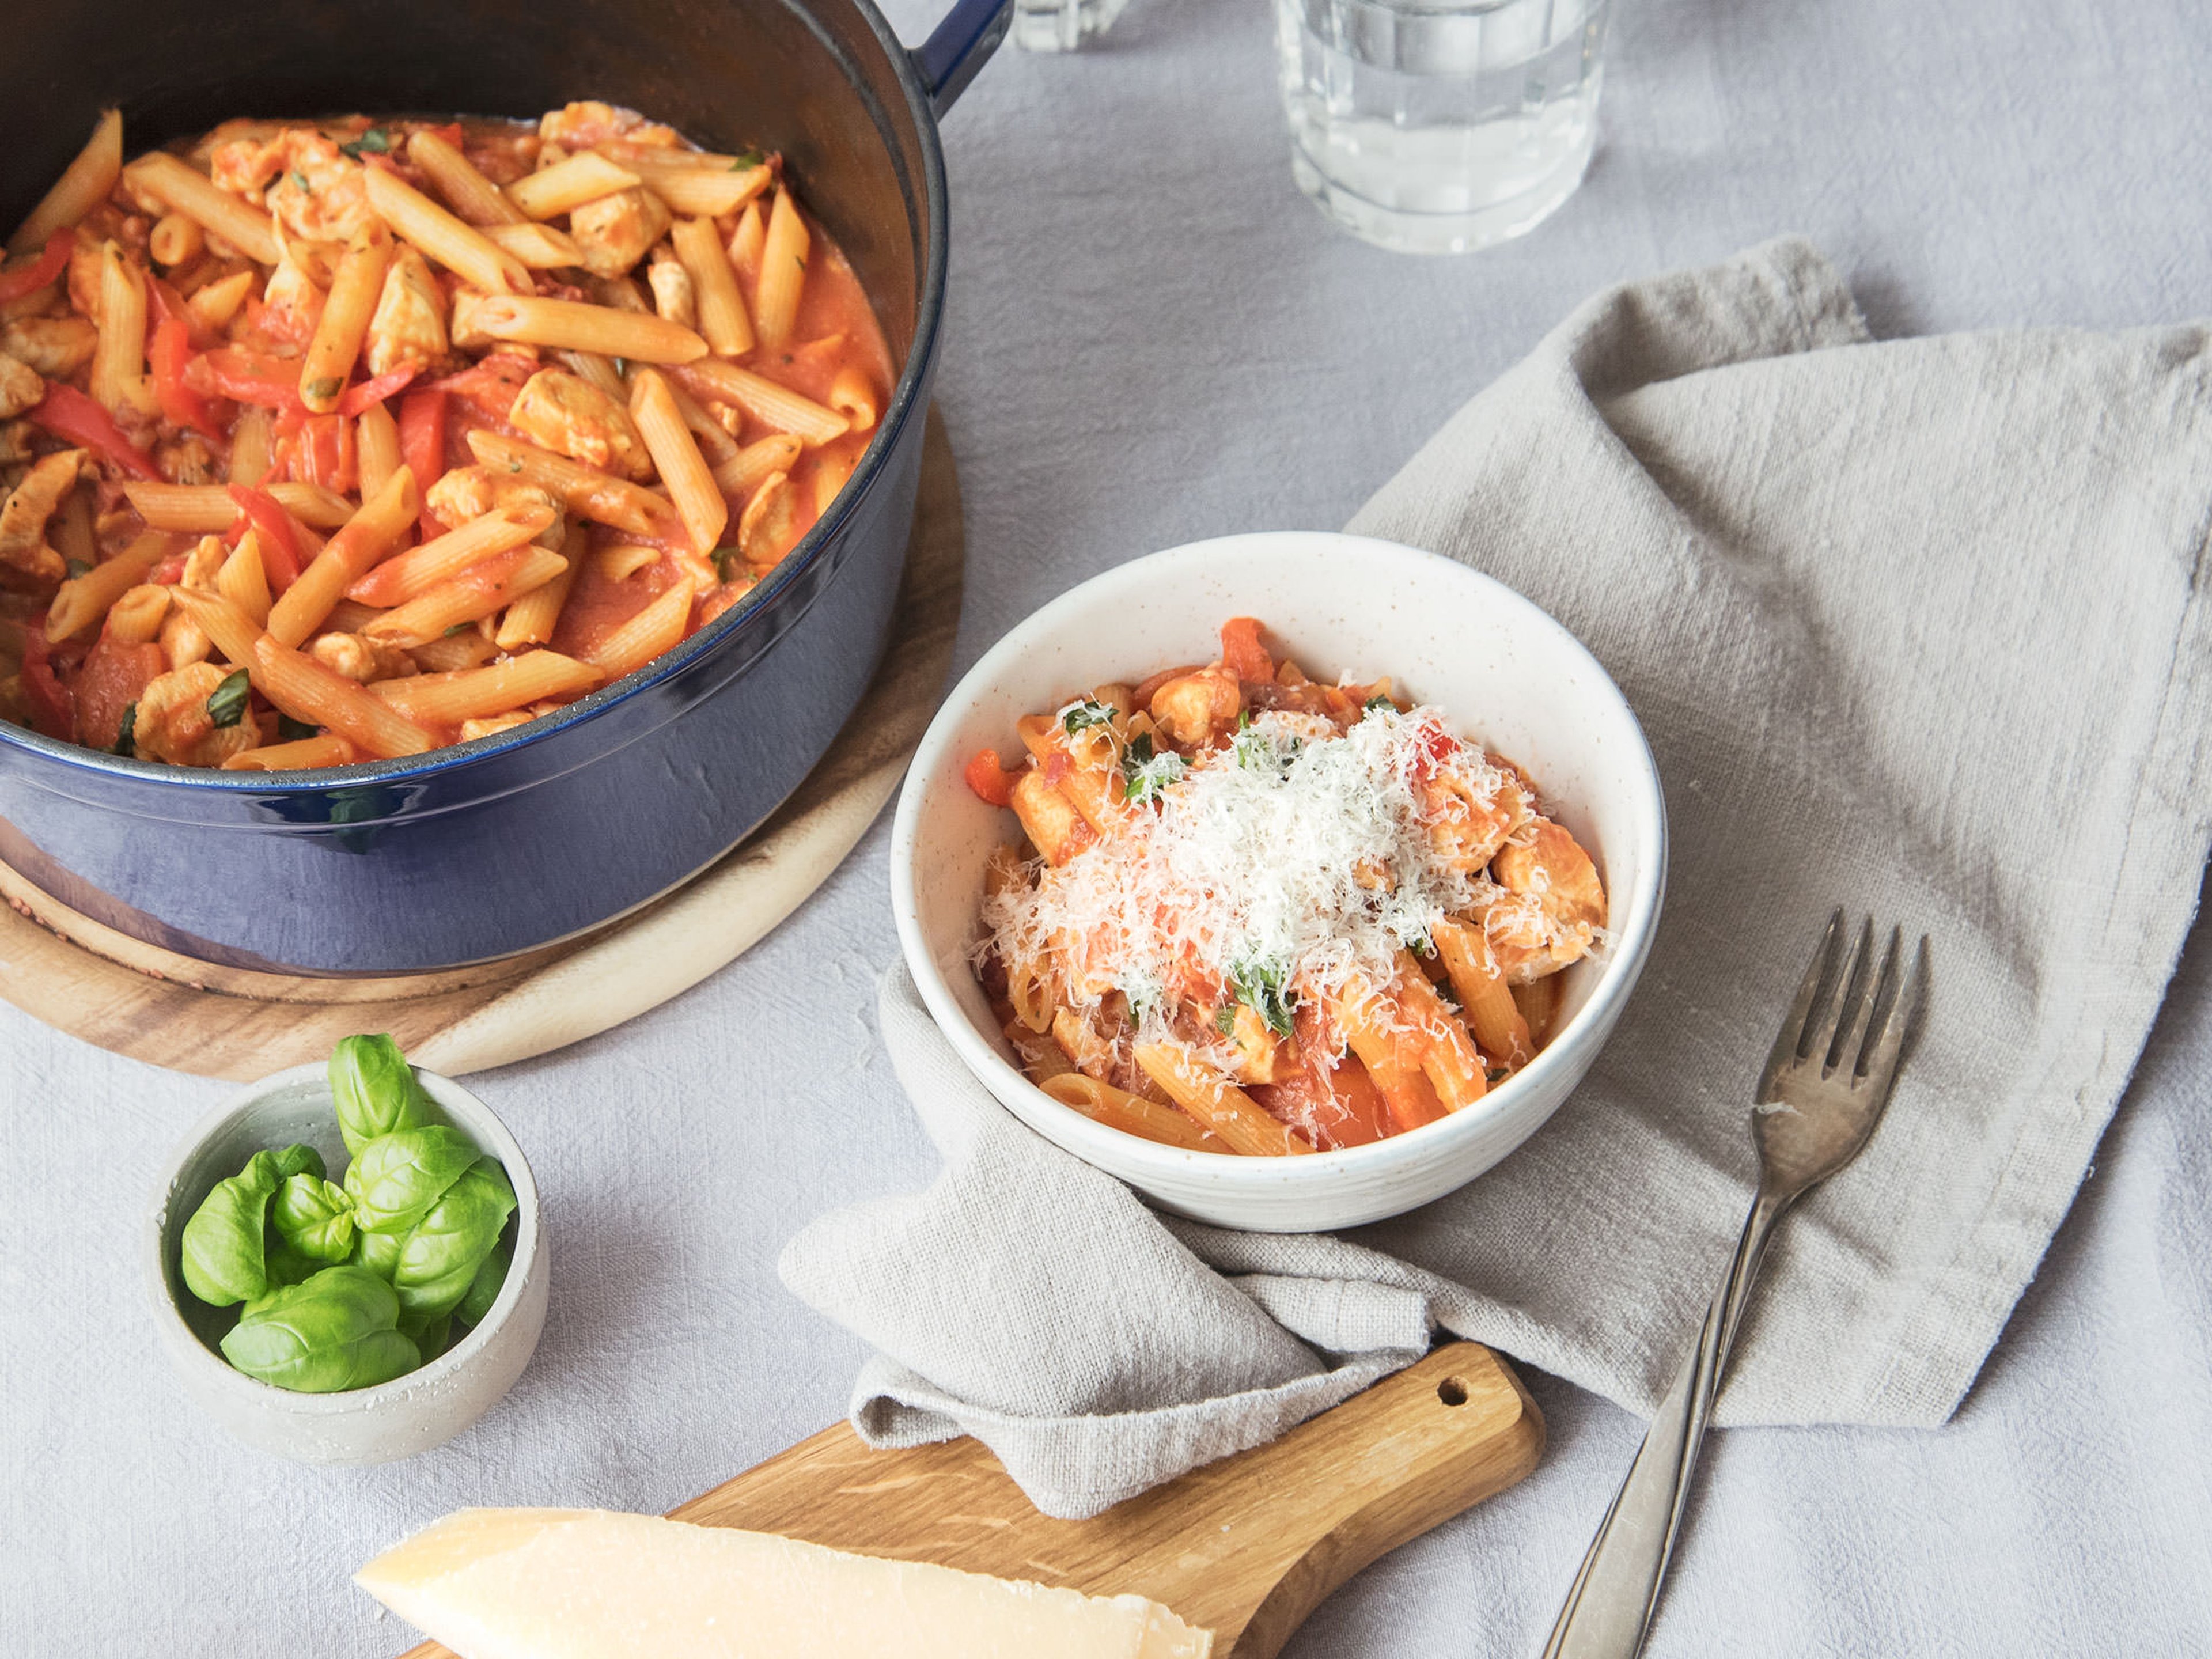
(989, 779)
(50, 264)
(170, 352)
(164, 303)
(422, 443)
(280, 547)
(357, 400)
(53, 710)
(324, 453)
(68, 413)
(247, 377)
(1243, 652)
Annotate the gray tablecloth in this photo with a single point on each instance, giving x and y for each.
(1984, 164)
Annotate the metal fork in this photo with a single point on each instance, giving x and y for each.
(1822, 1091)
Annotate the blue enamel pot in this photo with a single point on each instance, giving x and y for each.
(517, 840)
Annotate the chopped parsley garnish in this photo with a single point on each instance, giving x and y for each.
(226, 704)
(292, 730)
(77, 567)
(375, 141)
(1147, 775)
(300, 181)
(126, 734)
(1082, 712)
(1224, 1020)
(1262, 986)
(328, 386)
(458, 628)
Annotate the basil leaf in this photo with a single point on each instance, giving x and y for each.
(490, 1279)
(1147, 775)
(1083, 714)
(374, 1089)
(226, 704)
(375, 141)
(438, 1261)
(1224, 1020)
(292, 730)
(1261, 985)
(126, 733)
(78, 567)
(397, 1179)
(337, 1331)
(1378, 701)
(746, 161)
(225, 1251)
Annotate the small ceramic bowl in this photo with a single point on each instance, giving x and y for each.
(409, 1414)
(1503, 670)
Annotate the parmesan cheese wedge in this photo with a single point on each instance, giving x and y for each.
(591, 1585)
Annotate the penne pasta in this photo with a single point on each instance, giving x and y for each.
(178, 186)
(118, 363)
(704, 191)
(470, 195)
(531, 619)
(483, 588)
(773, 406)
(746, 242)
(307, 691)
(683, 469)
(658, 628)
(1117, 1109)
(852, 396)
(229, 629)
(468, 649)
(243, 581)
(214, 304)
(539, 248)
(348, 556)
(480, 693)
(175, 240)
(599, 370)
(1484, 996)
(584, 177)
(619, 564)
(410, 574)
(722, 316)
(207, 509)
(355, 288)
(586, 491)
(301, 754)
(81, 601)
(1218, 1104)
(641, 336)
(716, 445)
(461, 248)
(83, 186)
(756, 463)
(782, 273)
(376, 446)
(137, 617)
(1448, 1054)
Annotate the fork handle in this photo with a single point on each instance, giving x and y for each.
(1608, 1610)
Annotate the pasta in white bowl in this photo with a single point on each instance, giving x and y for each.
(1499, 674)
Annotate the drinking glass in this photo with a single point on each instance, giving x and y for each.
(1061, 25)
(1436, 126)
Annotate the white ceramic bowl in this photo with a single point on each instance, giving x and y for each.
(409, 1414)
(1507, 675)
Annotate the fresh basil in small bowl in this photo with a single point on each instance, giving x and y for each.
(346, 1260)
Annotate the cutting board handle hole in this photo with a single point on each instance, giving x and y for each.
(1452, 1391)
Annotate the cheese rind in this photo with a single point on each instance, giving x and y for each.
(594, 1584)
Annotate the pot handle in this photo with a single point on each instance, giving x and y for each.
(959, 46)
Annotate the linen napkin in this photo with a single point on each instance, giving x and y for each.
(1918, 626)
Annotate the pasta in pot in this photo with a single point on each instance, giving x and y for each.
(1261, 915)
(336, 440)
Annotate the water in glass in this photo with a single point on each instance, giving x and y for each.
(1436, 126)
(1061, 25)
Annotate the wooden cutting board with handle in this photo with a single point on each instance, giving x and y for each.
(1247, 1546)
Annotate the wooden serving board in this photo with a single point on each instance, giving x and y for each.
(153, 1005)
(1247, 1546)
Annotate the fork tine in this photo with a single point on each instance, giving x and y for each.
(1887, 1041)
(1859, 1004)
(1838, 1002)
(1791, 1037)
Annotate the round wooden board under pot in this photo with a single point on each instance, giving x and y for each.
(132, 998)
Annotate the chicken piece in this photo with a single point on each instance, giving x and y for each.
(23, 547)
(473, 729)
(174, 723)
(320, 192)
(470, 492)
(293, 303)
(582, 124)
(57, 347)
(21, 387)
(673, 296)
(1195, 708)
(15, 441)
(362, 660)
(568, 415)
(616, 231)
(84, 276)
(183, 641)
(1552, 907)
(203, 564)
(409, 328)
(244, 165)
(1473, 808)
(467, 336)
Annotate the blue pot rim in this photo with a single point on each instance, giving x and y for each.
(758, 608)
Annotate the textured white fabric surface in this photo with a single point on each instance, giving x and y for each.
(1832, 575)
(1994, 163)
